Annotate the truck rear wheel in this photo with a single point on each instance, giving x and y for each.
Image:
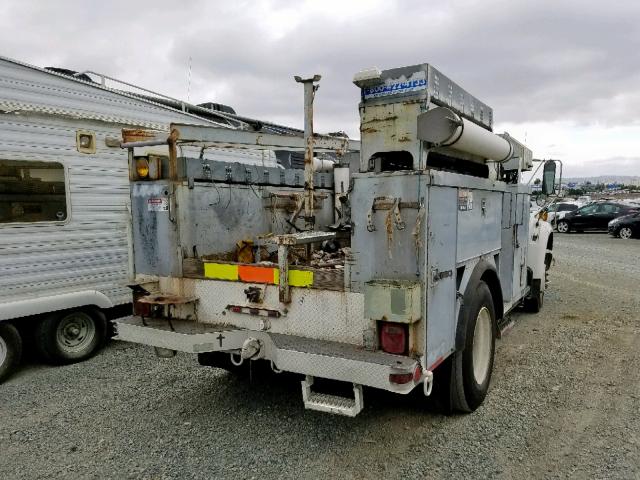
(10, 350)
(70, 336)
(471, 368)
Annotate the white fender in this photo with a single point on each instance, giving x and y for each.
(539, 233)
(35, 306)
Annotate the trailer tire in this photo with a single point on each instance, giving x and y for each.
(70, 336)
(471, 367)
(10, 350)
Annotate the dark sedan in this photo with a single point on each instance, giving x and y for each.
(626, 226)
(595, 216)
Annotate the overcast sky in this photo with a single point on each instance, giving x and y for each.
(564, 76)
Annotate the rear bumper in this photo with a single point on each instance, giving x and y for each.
(316, 358)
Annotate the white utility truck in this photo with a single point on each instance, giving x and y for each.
(388, 269)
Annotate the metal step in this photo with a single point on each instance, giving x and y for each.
(323, 402)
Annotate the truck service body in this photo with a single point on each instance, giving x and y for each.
(403, 266)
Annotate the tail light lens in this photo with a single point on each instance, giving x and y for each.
(393, 337)
(407, 377)
(139, 308)
(400, 378)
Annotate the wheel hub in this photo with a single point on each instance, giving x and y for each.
(3, 351)
(75, 332)
(482, 337)
(625, 233)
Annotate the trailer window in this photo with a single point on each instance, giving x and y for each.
(32, 191)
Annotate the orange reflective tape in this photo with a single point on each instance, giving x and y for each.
(248, 273)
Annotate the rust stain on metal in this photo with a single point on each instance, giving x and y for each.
(404, 138)
(173, 153)
(165, 299)
(174, 135)
(388, 223)
(380, 120)
(368, 130)
(137, 135)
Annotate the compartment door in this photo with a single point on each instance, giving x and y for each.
(440, 281)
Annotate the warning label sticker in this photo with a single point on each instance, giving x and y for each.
(465, 199)
(158, 204)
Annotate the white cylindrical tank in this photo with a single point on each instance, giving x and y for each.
(340, 187)
(322, 165)
(445, 128)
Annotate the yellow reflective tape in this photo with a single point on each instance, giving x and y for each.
(221, 271)
(297, 278)
(300, 278)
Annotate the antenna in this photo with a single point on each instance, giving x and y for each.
(189, 82)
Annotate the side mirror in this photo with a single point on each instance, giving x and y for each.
(549, 178)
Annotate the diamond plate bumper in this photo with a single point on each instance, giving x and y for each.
(317, 358)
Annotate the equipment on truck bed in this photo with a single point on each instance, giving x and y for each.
(397, 268)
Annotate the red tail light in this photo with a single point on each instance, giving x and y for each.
(139, 308)
(400, 378)
(393, 338)
(407, 377)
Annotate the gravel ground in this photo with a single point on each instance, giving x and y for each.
(564, 402)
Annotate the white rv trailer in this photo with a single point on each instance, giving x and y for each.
(64, 191)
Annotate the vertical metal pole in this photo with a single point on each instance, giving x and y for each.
(309, 93)
(283, 266)
(173, 155)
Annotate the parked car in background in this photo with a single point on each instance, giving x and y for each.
(583, 200)
(626, 227)
(559, 209)
(595, 216)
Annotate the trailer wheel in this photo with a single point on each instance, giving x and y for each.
(71, 336)
(10, 350)
(471, 368)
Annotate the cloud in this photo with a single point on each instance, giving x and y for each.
(536, 63)
(615, 166)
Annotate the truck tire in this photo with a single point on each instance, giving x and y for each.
(10, 350)
(70, 336)
(534, 301)
(471, 368)
(533, 304)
